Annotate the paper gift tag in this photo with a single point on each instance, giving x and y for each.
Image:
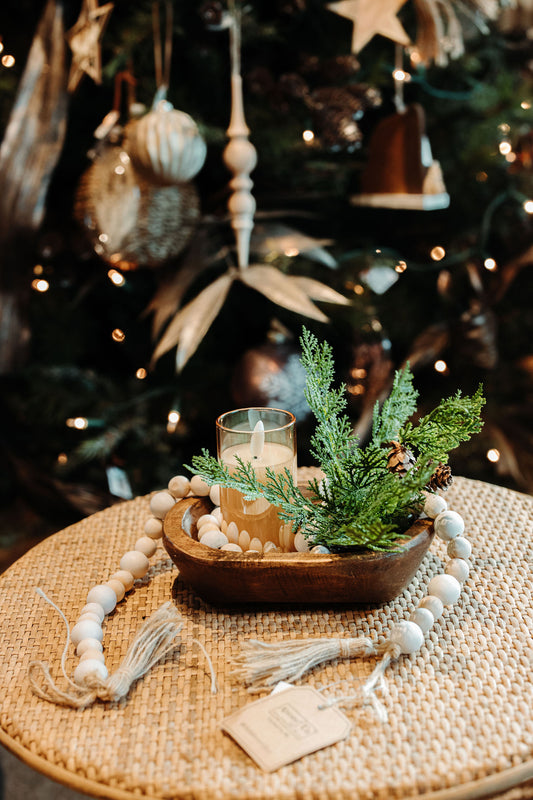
(285, 726)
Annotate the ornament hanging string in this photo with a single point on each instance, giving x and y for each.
(162, 54)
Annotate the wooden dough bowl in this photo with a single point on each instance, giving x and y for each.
(224, 578)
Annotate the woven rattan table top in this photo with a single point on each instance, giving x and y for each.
(460, 710)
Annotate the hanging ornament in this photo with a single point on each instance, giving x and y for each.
(371, 17)
(84, 40)
(401, 172)
(165, 145)
(132, 222)
(272, 375)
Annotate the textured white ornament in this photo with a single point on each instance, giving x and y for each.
(125, 577)
(166, 145)
(153, 527)
(448, 525)
(93, 653)
(459, 548)
(423, 618)
(214, 539)
(90, 669)
(146, 545)
(104, 595)
(230, 547)
(135, 562)
(86, 629)
(161, 503)
(199, 486)
(179, 486)
(408, 636)
(433, 604)
(244, 540)
(256, 544)
(88, 644)
(214, 494)
(446, 588)
(232, 532)
(118, 588)
(94, 608)
(434, 505)
(300, 543)
(459, 568)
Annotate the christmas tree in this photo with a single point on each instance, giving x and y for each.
(394, 200)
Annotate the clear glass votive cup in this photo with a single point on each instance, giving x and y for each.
(239, 435)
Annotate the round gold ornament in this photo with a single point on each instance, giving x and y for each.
(165, 145)
(132, 222)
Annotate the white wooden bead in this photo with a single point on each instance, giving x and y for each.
(90, 615)
(118, 588)
(207, 526)
(89, 669)
(459, 548)
(205, 518)
(459, 568)
(446, 588)
(153, 527)
(300, 542)
(199, 486)
(433, 604)
(135, 562)
(448, 525)
(93, 653)
(244, 540)
(217, 514)
(125, 577)
(232, 532)
(214, 494)
(319, 548)
(88, 644)
(86, 629)
(230, 547)
(146, 545)
(423, 618)
(434, 505)
(104, 595)
(256, 544)
(214, 539)
(94, 608)
(408, 636)
(269, 547)
(161, 503)
(179, 486)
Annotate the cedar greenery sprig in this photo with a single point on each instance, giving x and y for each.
(359, 503)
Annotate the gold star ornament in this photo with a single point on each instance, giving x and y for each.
(371, 17)
(84, 41)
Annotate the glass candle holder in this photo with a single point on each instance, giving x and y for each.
(262, 437)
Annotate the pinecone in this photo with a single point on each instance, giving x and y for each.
(441, 478)
(400, 460)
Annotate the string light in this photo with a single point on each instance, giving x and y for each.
(1, 46)
(141, 373)
(116, 277)
(40, 285)
(79, 423)
(504, 127)
(481, 177)
(38, 269)
(490, 264)
(510, 157)
(8, 61)
(357, 389)
(173, 420)
(440, 366)
(525, 104)
(291, 252)
(400, 75)
(358, 373)
(505, 148)
(437, 253)
(119, 169)
(308, 136)
(358, 289)
(401, 266)
(118, 335)
(493, 455)
(62, 458)
(528, 206)
(103, 237)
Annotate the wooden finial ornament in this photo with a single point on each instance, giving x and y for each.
(240, 155)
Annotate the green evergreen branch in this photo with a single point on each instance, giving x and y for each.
(396, 410)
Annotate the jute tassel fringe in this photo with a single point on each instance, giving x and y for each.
(154, 639)
(262, 665)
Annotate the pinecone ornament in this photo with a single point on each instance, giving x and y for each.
(400, 460)
(441, 478)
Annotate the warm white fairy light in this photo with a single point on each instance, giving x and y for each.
(440, 366)
(358, 372)
(8, 61)
(437, 253)
(62, 458)
(525, 105)
(40, 285)
(505, 148)
(358, 289)
(80, 423)
(116, 277)
(119, 169)
(490, 264)
(103, 237)
(291, 252)
(118, 335)
(528, 206)
(400, 75)
(124, 157)
(504, 128)
(38, 269)
(510, 157)
(481, 177)
(308, 136)
(141, 373)
(173, 420)
(1, 46)
(493, 455)
(401, 266)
